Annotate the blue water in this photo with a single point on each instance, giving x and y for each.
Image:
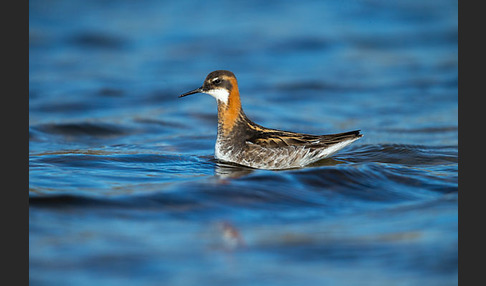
(124, 187)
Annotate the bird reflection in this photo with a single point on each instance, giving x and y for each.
(226, 170)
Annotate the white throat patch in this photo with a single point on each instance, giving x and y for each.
(220, 94)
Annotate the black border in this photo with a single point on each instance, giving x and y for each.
(15, 143)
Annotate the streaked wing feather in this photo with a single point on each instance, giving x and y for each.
(277, 139)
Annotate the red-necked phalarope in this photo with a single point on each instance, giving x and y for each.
(244, 142)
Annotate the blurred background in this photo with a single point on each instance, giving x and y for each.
(124, 188)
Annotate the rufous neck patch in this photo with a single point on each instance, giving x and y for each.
(228, 113)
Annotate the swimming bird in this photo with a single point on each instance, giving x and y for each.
(240, 140)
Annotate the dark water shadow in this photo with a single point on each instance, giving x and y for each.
(404, 154)
(82, 129)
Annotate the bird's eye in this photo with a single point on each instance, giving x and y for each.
(217, 81)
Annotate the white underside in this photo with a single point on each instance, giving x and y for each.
(334, 148)
(278, 158)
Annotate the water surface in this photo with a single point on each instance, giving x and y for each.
(124, 187)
